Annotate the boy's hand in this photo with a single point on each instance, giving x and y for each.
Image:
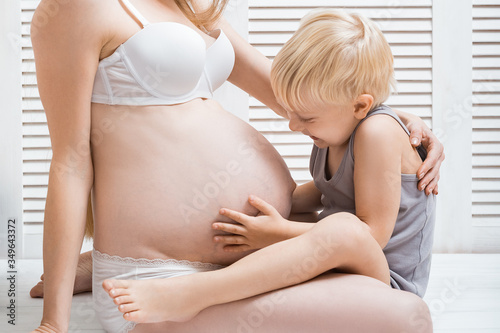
(255, 232)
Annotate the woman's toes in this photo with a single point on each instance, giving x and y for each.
(122, 299)
(124, 308)
(37, 291)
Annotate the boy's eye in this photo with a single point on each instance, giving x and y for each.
(308, 120)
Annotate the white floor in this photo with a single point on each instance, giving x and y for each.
(463, 295)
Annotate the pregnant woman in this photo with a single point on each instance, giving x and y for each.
(127, 90)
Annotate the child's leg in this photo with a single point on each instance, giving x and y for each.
(338, 241)
(332, 302)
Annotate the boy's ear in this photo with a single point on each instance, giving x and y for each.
(362, 105)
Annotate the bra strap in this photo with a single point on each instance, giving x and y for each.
(136, 13)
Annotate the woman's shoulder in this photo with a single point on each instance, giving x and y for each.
(71, 18)
(85, 10)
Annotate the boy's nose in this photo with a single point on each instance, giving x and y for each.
(295, 125)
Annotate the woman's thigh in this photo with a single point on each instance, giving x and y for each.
(332, 302)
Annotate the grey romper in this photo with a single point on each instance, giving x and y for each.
(409, 249)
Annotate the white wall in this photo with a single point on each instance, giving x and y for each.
(452, 92)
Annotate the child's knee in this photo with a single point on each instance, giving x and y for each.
(348, 225)
(342, 231)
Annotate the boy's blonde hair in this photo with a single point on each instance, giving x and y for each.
(333, 57)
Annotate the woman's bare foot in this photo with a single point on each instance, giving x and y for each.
(83, 278)
(156, 300)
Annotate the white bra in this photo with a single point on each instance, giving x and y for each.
(164, 63)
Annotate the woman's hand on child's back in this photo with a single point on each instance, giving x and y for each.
(252, 232)
(428, 173)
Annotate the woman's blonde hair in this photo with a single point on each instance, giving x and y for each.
(202, 13)
(333, 57)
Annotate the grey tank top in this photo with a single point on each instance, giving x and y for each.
(409, 249)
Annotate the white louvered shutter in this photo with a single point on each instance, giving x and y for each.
(408, 29)
(486, 126)
(36, 142)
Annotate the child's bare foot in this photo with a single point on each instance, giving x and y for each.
(156, 300)
(83, 277)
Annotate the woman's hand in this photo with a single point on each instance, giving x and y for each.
(253, 232)
(428, 173)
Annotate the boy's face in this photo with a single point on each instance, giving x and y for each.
(327, 124)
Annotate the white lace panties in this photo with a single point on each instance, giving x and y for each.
(106, 266)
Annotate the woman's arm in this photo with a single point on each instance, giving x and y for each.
(306, 198)
(66, 49)
(251, 70)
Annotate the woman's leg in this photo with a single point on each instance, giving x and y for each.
(338, 241)
(332, 302)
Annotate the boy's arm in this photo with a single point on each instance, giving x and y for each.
(306, 199)
(377, 175)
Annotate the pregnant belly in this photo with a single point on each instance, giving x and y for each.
(161, 178)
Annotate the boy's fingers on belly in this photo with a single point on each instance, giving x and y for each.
(229, 227)
(234, 215)
(231, 239)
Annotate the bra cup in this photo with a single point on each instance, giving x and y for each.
(166, 61)
(220, 61)
(163, 66)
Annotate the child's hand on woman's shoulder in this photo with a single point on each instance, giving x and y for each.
(252, 232)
